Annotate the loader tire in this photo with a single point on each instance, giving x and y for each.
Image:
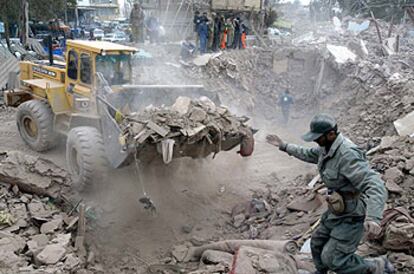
(35, 124)
(85, 158)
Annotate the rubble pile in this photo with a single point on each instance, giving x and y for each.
(394, 159)
(36, 235)
(382, 93)
(236, 256)
(186, 122)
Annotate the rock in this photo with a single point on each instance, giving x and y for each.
(51, 226)
(15, 190)
(217, 257)
(38, 211)
(181, 105)
(300, 214)
(179, 252)
(25, 198)
(51, 254)
(197, 241)
(62, 239)
(198, 115)
(19, 213)
(238, 220)
(409, 166)
(37, 243)
(187, 228)
(393, 175)
(13, 244)
(18, 169)
(71, 262)
(10, 262)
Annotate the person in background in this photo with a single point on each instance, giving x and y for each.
(211, 28)
(224, 35)
(197, 21)
(153, 26)
(243, 36)
(203, 33)
(285, 101)
(237, 33)
(218, 30)
(137, 19)
(230, 32)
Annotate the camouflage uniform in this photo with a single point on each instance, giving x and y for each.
(343, 169)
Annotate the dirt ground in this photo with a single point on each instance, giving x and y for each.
(193, 197)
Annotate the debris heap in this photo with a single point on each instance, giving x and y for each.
(185, 122)
(36, 234)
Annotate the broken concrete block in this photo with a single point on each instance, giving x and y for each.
(13, 244)
(405, 125)
(10, 262)
(393, 175)
(181, 105)
(51, 254)
(393, 187)
(71, 262)
(38, 210)
(358, 28)
(19, 169)
(62, 239)
(341, 54)
(265, 261)
(198, 115)
(37, 244)
(19, 213)
(51, 226)
(217, 257)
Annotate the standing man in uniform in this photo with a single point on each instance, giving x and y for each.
(356, 198)
(203, 33)
(197, 21)
(136, 20)
(285, 101)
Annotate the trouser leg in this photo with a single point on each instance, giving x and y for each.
(338, 253)
(319, 238)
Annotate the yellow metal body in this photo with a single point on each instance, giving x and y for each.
(40, 80)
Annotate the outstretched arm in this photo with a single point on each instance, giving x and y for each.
(310, 155)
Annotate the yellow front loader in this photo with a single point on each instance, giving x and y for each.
(82, 98)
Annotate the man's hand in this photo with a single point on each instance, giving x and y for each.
(371, 230)
(274, 140)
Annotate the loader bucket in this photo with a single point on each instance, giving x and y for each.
(129, 99)
(137, 97)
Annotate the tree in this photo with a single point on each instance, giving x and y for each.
(9, 14)
(55, 9)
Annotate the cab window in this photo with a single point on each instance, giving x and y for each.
(85, 68)
(73, 65)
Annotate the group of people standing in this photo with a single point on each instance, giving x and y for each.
(218, 32)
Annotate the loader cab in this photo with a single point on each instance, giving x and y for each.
(86, 58)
